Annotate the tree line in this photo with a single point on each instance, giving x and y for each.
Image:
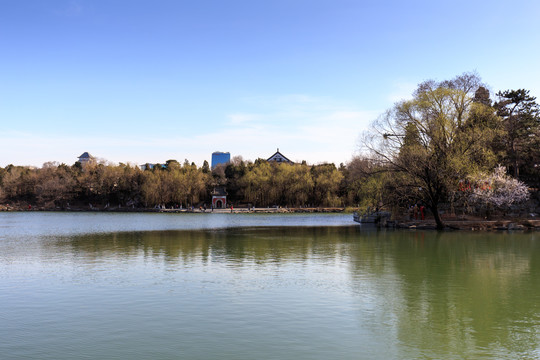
(259, 183)
(452, 145)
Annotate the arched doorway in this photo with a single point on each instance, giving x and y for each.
(219, 197)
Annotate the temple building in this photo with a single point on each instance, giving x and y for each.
(279, 158)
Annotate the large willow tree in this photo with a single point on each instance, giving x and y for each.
(433, 140)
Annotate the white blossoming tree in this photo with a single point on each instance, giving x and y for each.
(496, 191)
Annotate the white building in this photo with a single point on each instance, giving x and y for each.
(86, 158)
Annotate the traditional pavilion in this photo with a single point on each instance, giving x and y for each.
(219, 197)
(86, 158)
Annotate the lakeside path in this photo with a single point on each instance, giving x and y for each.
(240, 210)
(266, 210)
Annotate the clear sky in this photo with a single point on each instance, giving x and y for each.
(147, 81)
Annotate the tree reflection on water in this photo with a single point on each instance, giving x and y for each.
(432, 294)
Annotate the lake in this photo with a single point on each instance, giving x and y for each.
(268, 286)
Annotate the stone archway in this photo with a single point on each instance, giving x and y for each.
(219, 204)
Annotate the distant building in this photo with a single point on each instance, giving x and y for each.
(219, 197)
(149, 166)
(219, 157)
(86, 158)
(279, 158)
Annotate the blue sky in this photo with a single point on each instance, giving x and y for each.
(147, 81)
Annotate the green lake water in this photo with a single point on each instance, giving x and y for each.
(231, 286)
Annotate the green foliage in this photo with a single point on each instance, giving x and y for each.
(172, 165)
(326, 179)
(423, 148)
(520, 116)
(434, 140)
(179, 185)
(205, 168)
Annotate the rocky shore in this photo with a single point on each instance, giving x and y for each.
(474, 225)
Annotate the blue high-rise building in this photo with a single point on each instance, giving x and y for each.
(219, 157)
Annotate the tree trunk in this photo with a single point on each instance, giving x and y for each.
(515, 156)
(435, 210)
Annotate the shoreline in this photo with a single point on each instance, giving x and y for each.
(240, 210)
(464, 224)
(509, 224)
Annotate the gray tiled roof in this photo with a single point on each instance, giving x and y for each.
(85, 155)
(278, 154)
(219, 191)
